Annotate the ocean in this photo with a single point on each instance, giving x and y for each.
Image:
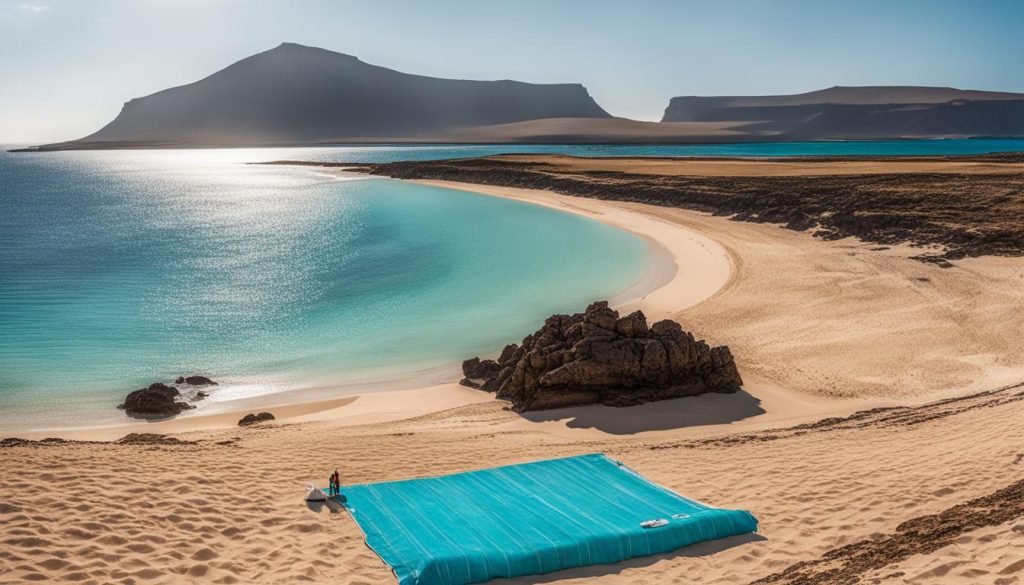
(121, 268)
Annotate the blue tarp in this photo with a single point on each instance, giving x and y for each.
(528, 519)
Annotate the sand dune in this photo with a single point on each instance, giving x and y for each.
(820, 329)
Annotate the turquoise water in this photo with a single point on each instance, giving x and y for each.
(123, 268)
(846, 148)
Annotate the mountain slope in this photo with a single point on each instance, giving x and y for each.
(296, 94)
(862, 112)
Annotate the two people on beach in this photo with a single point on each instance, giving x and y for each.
(335, 481)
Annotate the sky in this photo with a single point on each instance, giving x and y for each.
(66, 67)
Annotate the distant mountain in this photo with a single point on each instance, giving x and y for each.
(294, 94)
(862, 112)
(299, 95)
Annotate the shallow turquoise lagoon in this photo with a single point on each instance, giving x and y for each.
(122, 268)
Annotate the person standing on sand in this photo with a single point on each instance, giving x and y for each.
(330, 489)
(335, 484)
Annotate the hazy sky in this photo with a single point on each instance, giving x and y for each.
(67, 66)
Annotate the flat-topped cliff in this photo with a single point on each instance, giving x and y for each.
(875, 112)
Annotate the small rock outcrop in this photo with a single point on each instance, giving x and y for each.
(151, 439)
(477, 369)
(597, 357)
(195, 381)
(155, 401)
(251, 419)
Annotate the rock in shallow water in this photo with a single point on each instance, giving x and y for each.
(156, 401)
(161, 400)
(195, 381)
(596, 357)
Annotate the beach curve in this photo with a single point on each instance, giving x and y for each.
(677, 254)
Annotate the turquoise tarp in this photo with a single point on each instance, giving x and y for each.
(528, 519)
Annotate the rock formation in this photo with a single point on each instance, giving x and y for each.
(251, 419)
(599, 357)
(156, 401)
(160, 400)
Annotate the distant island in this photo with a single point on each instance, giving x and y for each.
(863, 113)
(296, 95)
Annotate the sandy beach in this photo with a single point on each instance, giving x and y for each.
(879, 390)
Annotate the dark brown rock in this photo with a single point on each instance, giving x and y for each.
(250, 419)
(195, 381)
(632, 325)
(156, 401)
(477, 370)
(598, 357)
(150, 439)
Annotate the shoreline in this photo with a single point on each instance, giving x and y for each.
(665, 289)
(677, 252)
(755, 282)
(887, 202)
